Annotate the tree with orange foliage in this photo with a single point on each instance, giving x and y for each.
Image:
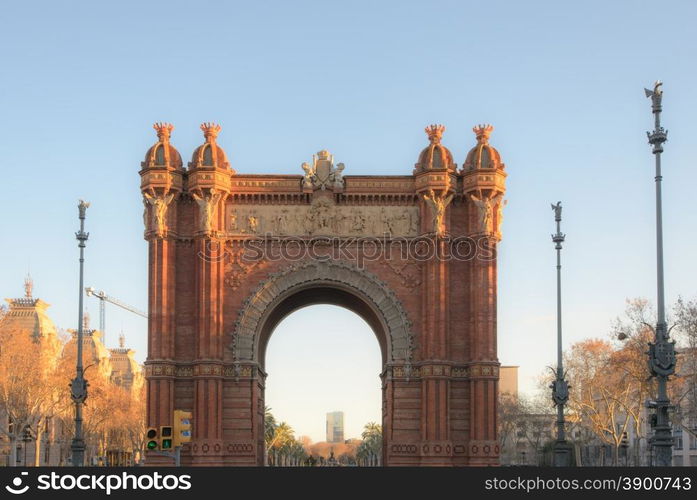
(30, 385)
(113, 417)
(603, 395)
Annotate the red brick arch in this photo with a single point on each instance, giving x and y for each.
(213, 312)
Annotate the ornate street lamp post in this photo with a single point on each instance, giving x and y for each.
(662, 350)
(78, 386)
(26, 439)
(560, 388)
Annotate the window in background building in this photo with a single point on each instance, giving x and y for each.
(678, 438)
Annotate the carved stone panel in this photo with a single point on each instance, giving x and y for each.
(322, 217)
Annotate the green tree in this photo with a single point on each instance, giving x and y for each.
(269, 426)
(369, 452)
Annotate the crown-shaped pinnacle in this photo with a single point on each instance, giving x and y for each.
(435, 132)
(164, 130)
(483, 132)
(210, 130)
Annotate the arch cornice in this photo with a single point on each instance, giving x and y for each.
(364, 285)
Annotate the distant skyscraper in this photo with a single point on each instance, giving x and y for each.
(335, 427)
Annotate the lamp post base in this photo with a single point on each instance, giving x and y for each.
(562, 454)
(77, 447)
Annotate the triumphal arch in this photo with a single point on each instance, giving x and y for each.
(231, 254)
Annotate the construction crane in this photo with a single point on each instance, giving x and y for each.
(103, 297)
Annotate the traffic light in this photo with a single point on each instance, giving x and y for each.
(151, 439)
(166, 437)
(182, 427)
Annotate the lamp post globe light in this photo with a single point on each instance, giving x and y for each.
(78, 386)
(662, 350)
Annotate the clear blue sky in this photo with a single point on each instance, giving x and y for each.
(82, 82)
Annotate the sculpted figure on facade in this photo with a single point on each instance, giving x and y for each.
(385, 222)
(207, 206)
(321, 217)
(338, 176)
(485, 212)
(307, 179)
(280, 223)
(438, 204)
(253, 223)
(358, 222)
(499, 212)
(322, 174)
(158, 218)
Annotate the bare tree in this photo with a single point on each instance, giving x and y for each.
(603, 396)
(686, 386)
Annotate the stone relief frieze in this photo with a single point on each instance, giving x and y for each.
(323, 218)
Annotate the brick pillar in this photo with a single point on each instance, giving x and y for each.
(208, 185)
(161, 331)
(161, 184)
(208, 364)
(483, 183)
(436, 447)
(483, 445)
(160, 365)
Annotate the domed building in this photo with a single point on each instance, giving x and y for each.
(162, 153)
(483, 155)
(116, 366)
(209, 154)
(94, 352)
(29, 314)
(126, 372)
(435, 156)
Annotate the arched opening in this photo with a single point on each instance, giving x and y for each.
(328, 283)
(323, 351)
(334, 294)
(207, 155)
(160, 155)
